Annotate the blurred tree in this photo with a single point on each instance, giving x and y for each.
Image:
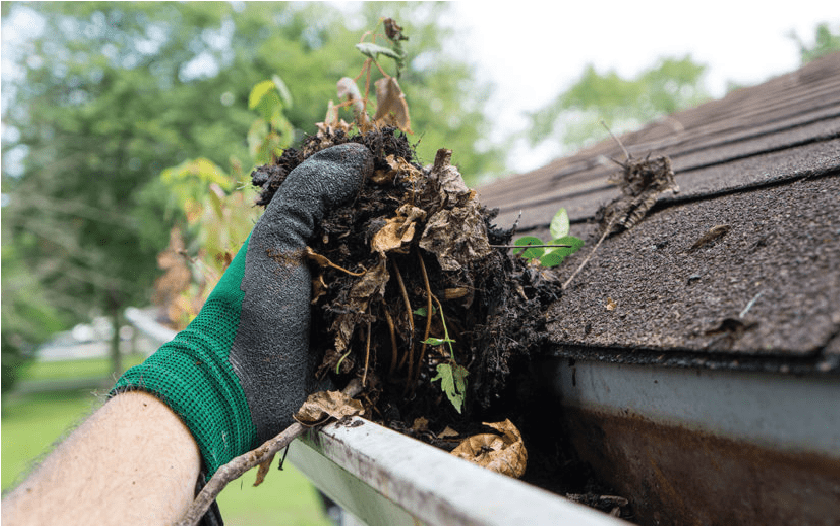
(104, 96)
(825, 42)
(574, 117)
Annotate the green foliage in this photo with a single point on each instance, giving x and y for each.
(452, 376)
(550, 256)
(453, 382)
(270, 134)
(825, 41)
(575, 115)
(109, 94)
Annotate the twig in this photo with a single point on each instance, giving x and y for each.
(746, 310)
(428, 319)
(323, 261)
(591, 254)
(390, 322)
(367, 355)
(404, 293)
(239, 465)
(410, 314)
(626, 154)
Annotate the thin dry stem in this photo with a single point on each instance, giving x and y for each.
(323, 261)
(589, 257)
(393, 334)
(239, 465)
(626, 154)
(409, 313)
(367, 355)
(429, 296)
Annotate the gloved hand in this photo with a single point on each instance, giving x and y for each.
(242, 367)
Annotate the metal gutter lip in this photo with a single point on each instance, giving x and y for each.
(384, 477)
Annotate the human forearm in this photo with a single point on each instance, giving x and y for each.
(131, 462)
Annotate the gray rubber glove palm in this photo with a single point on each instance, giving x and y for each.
(239, 371)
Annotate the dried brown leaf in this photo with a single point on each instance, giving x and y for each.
(319, 288)
(505, 454)
(641, 182)
(457, 237)
(263, 471)
(397, 230)
(420, 424)
(346, 87)
(392, 108)
(320, 406)
(371, 285)
(448, 432)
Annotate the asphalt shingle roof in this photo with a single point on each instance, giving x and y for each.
(763, 161)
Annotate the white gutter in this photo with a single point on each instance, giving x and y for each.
(385, 478)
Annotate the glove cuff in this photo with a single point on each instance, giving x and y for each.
(193, 376)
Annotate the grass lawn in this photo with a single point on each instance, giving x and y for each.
(31, 423)
(76, 368)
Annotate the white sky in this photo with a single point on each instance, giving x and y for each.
(534, 50)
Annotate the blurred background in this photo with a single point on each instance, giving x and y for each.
(129, 132)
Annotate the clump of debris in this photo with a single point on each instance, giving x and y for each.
(416, 293)
(409, 292)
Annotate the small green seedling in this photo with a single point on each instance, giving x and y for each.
(544, 252)
(452, 376)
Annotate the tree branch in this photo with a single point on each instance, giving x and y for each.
(239, 465)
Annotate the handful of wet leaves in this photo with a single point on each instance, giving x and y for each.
(409, 293)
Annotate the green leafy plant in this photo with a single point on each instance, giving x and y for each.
(452, 376)
(272, 131)
(554, 252)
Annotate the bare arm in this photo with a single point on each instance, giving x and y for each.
(131, 462)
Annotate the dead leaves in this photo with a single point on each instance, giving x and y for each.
(391, 107)
(398, 230)
(505, 453)
(321, 406)
(640, 182)
(456, 234)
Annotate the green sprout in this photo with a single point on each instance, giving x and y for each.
(554, 252)
(452, 376)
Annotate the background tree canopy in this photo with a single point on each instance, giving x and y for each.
(108, 95)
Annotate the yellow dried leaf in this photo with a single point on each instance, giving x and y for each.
(397, 230)
(263, 471)
(448, 432)
(392, 108)
(320, 406)
(505, 454)
(319, 288)
(420, 424)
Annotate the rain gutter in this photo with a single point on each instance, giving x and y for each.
(692, 446)
(385, 478)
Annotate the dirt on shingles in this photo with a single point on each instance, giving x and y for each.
(766, 258)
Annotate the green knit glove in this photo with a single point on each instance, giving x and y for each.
(241, 368)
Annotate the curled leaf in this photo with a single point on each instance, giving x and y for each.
(347, 87)
(397, 230)
(320, 406)
(391, 106)
(372, 50)
(505, 453)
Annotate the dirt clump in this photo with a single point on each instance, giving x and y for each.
(407, 278)
(416, 294)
